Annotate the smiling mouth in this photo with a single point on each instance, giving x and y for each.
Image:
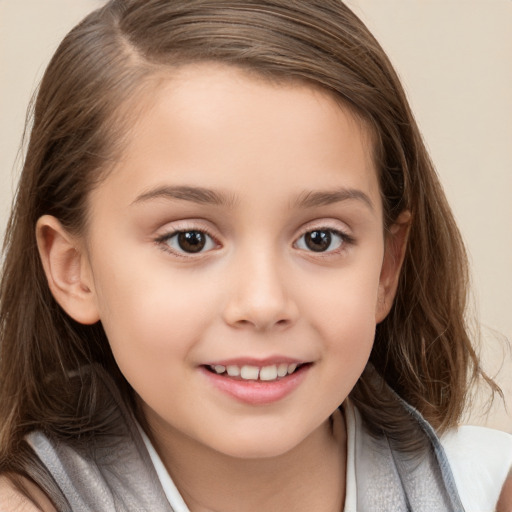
(267, 373)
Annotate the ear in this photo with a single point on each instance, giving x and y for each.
(394, 252)
(67, 270)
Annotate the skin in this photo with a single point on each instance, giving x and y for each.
(257, 290)
(505, 501)
(12, 499)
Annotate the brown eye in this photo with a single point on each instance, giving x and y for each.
(191, 242)
(318, 241)
(321, 240)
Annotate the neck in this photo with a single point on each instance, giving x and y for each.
(311, 476)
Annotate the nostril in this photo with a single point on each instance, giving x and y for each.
(259, 312)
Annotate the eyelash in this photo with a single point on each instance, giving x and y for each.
(163, 241)
(344, 240)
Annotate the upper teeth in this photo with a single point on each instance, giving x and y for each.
(248, 372)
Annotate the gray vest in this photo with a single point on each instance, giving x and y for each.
(114, 472)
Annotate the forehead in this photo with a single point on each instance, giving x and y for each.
(207, 123)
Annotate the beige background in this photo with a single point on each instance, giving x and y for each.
(455, 60)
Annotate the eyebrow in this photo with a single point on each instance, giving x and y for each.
(310, 199)
(199, 195)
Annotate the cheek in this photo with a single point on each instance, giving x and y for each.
(347, 299)
(349, 327)
(149, 311)
(343, 312)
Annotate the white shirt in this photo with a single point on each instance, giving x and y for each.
(480, 459)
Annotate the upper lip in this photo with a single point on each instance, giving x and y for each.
(253, 361)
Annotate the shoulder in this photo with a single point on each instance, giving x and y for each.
(505, 501)
(12, 499)
(480, 459)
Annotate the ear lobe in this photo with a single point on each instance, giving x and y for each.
(67, 270)
(394, 252)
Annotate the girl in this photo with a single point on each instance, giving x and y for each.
(227, 225)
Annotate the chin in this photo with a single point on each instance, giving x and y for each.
(258, 446)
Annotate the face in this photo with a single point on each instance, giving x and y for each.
(235, 259)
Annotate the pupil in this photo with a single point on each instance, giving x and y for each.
(318, 241)
(191, 241)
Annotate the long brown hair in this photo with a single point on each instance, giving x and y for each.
(80, 119)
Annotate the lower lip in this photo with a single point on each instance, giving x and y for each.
(256, 392)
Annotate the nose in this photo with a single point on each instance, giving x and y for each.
(259, 297)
